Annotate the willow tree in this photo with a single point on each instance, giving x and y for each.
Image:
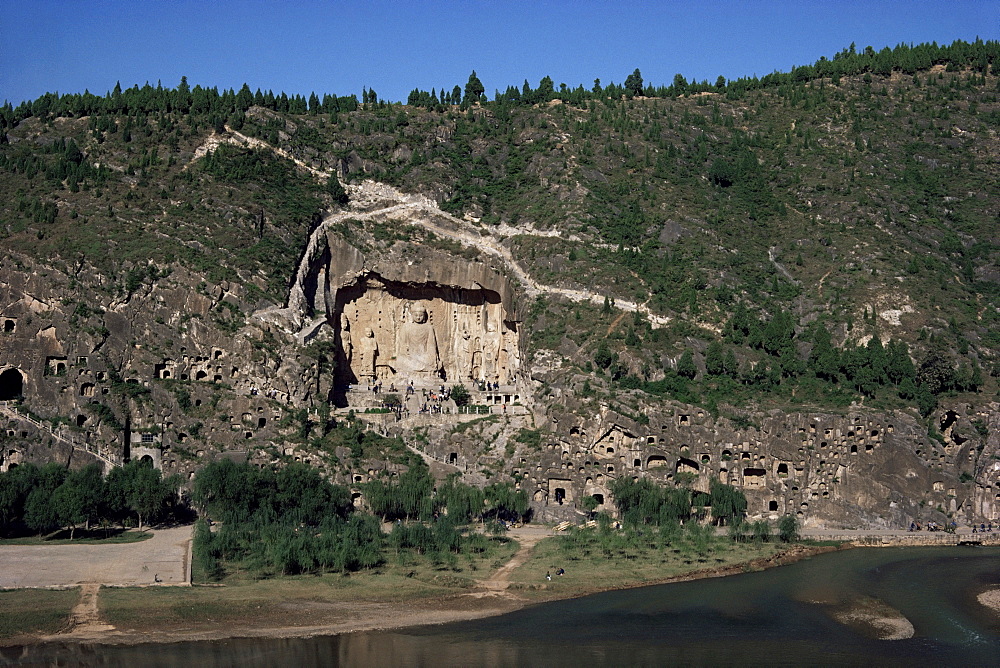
(729, 504)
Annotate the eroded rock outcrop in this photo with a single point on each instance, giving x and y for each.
(177, 370)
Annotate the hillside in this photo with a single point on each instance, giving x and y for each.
(192, 272)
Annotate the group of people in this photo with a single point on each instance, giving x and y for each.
(934, 526)
(489, 386)
(376, 387)
(433, 400)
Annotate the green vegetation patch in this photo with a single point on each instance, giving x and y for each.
(612, 559)
(92, 537)
(31, 611)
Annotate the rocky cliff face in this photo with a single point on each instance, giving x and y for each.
(182, 371)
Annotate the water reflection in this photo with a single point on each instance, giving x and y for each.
(785, 616)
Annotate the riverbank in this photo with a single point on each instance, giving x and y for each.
(307, 606)
(990, 599)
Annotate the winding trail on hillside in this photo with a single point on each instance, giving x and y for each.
(459, 230)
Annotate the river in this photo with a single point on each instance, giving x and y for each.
(782, 616)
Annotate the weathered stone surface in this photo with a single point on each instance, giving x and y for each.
(177, 371)
(412, 314)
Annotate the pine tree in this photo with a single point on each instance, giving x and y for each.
(899, 366)
(976, 381)
(336, 190)
(633, 84)
(877, 360)
(473, 89)
(686, 366)
(731, 366)
(546, 89)
(824, 360)
(715, 359)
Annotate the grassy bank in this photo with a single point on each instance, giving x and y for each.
(302, 600)
(593, 561)
(93, 537)
(407, 590)
(25, 612)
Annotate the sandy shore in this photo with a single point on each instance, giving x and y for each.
(884, 623)
(356, 617)
(303, 619)
(991, 599)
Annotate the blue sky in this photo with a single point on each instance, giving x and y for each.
(342, 46)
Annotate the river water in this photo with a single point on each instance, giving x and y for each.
(782, 616)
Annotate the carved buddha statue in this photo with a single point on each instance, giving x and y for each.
(417, 350)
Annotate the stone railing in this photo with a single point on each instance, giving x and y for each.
(10, 409)
(907, 538)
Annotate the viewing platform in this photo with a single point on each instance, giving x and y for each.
(390, 404)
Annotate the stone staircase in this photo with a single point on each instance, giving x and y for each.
(10, 409)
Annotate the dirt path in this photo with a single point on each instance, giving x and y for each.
(498, 582)
(460, 232)
(85, 619)
(819, 287)
(613, 326)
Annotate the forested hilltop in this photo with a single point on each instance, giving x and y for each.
(759, 281)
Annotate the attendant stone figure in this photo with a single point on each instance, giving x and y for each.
(367, 354)
(468, 362)
(476, 371)
(510, 356)
(491, 353)
(346, 345)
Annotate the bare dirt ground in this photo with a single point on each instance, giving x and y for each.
(160, 560)
(85, 620)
